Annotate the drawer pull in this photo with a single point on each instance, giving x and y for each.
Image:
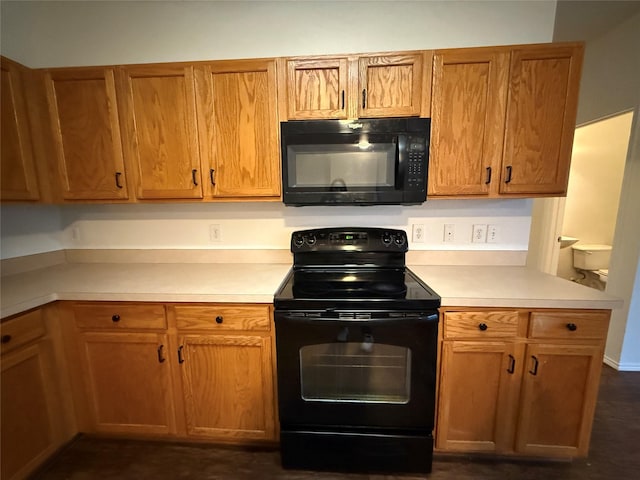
(180, 357)
(6, 338)
(115, 318)
(219, 319)
(160, 356)
(535, 365)
(512, 364)
(482, 326)
(572, 327)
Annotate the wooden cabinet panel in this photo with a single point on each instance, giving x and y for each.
(160, 125)
(27, 428)
(119, 316)
(478, 396)
(17, 165)
(559, 393)
(228, 386)
(222, 317)
(239, 128)
(469, 95)
(128, 382)
(22, 329)
(569, 325)
(541, 114)
(390, 85)
(86, 132)
(481, 324)
(317, 88)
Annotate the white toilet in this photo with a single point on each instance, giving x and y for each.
(593, 260)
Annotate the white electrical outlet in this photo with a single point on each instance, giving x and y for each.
(479, 234)
(417, 233)
(492, 234)
(215, 236)
(75, 234)
(449, 233)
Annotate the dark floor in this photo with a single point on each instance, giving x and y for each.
(615, 454)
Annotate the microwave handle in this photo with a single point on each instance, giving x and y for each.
(401, 144)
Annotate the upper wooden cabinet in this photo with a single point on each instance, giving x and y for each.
(83, 116)
(238, 128)
(160, 130)
(503, 120)
(385, 85)
(18, 173)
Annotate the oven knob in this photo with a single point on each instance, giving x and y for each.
(298, 240)
(311, 240)
(399, 240)
(386, 238)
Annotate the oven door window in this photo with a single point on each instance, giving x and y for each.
(364, 372)
(342, 163)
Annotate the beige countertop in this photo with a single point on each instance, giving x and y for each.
(480, 286)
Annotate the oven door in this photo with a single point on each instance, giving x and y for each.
(374, 370)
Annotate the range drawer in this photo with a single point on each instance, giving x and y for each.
(569, 325)
(22, 329)
(222, 317)
(480, 324)
(120, 316)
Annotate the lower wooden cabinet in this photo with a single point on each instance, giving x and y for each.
(526, 388)
(182, 370)
(31, 409)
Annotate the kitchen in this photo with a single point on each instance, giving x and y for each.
(266, 227)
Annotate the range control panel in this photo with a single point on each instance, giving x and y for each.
(349, 239)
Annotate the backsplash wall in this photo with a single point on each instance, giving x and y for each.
(250, 225)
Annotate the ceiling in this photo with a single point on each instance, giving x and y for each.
(586, 20)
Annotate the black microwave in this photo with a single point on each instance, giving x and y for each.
(359, 162)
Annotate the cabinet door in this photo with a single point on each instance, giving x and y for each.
(160, 125)
(541, 119)
(18, 173)
(478, 396)
(228, 386)
(559, 393)
(469, 95)
(86, 132)
(390, 85)
(317, 88)
(128, 382)
(238, 128)
(27, 429)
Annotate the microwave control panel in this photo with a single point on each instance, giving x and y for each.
(416, 163)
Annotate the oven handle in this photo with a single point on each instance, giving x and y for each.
(431, 317)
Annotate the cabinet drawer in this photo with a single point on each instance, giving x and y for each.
(223, 317)
(120, 316)
(569, 325)
(480, 324)
(22, 329)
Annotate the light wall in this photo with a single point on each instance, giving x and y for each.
(47, 34)
(597, 167)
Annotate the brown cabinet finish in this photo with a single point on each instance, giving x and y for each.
(83, 116)
(467, 130)
(17, 165)
(540, 119)
(160, 130)
(238, 125)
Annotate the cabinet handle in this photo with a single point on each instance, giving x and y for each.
(535, 365)
(115, 318)
(118, 184)
(160, 356)
(512, 364)
(364, 98)
(212, 177)
(193, 177)
(6, 338)
(482, 326)
(509, 169)
(180, 357)
(488, 181)
(572, 327)
(342, 99)
(219, 319)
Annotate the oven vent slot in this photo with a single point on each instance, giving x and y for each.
(354, 316)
